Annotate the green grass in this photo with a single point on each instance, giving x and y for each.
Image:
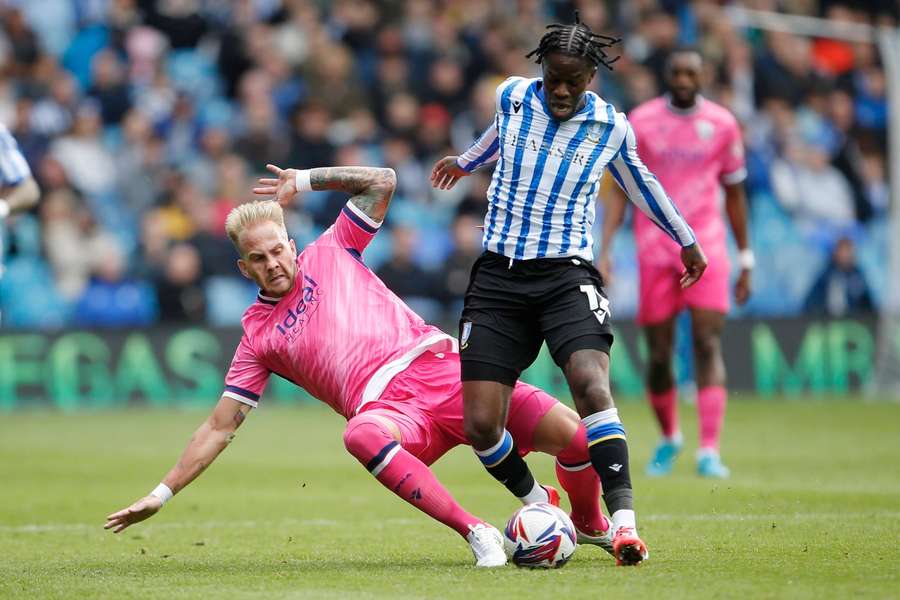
(812, 511)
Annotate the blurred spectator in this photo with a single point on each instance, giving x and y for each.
(812, 189)
(111, 299)
(841, 288)
(109, 87)
(407, 279)
(179, 289)
(455, 272)
(84, 157)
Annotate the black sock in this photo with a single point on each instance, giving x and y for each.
(609, 456)
(504, 463)
(610, 460)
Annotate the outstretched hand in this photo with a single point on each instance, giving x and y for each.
(446, 172)
(143, 509)
(694, 261)
(282, 189)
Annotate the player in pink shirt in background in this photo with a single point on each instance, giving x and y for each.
(324, 321)
(694, 147)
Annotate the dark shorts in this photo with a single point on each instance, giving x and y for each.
(511, 310)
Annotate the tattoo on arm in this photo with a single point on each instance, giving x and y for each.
(371, 187)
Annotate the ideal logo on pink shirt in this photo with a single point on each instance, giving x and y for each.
(292, 324)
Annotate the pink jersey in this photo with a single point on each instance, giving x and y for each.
(340, 333)
(692, 152)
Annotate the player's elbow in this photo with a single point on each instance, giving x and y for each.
(29, 193)
(387, 180)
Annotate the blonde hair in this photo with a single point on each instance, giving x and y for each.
(243, 216)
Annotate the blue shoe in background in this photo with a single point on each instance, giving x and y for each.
(709, 464)
(664, 457)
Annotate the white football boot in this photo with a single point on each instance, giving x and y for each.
(604, 539)
(487, 545)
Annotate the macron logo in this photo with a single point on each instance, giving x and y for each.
(517, 106)
(616, 467)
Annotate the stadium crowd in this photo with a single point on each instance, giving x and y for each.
(145, 122)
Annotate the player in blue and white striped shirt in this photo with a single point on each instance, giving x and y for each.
(18, 190)
(535, 282)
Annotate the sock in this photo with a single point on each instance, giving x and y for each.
(609, 455)
(502, 460)
(580, 481)
(623, 518)
(665, 405)
(711, 411)
(409, 478)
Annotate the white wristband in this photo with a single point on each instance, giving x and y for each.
(746, 259)
(302, 181)
(162, 492)
(4, 208)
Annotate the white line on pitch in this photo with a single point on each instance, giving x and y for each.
(384, 523)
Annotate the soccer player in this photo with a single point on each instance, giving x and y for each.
(324, 321)
(694, 146)
(535, 281)
(18, 189)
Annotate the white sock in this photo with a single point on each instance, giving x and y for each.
(623, 518)
(537, 494)
(675, 438)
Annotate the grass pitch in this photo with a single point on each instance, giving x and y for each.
(812, 511)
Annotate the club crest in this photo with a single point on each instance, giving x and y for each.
(465, 331)
(594, 132)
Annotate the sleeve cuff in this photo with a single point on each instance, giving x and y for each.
(364, 221)
(734, 177)
(241, 395)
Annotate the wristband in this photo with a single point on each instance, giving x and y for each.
(302, 181)
(162, 492)
(746, 259)
(4, 208)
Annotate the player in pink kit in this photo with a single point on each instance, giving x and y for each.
(694, 147)
(324, 321)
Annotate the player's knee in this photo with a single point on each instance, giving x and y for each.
(592, 392)
(482, 433)
(365, 436)
(706, 349)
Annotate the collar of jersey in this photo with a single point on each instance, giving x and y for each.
(266, 299)
(539, 91)
(684, 112)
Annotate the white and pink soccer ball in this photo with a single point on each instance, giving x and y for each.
(539, 536)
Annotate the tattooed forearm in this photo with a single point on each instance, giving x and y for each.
(371, 187)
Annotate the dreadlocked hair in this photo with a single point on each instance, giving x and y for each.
(576, 40)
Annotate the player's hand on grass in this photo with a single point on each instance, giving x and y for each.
(694, 261)
(743, 287)
(283, 189)
(446, 173)
(143, 509)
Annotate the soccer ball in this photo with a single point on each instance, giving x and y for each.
(539, 536)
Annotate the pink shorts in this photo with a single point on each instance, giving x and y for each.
(661, 296)
(425, 401)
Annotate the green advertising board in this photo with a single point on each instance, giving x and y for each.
(74, 370)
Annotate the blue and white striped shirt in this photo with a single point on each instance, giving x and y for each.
(541, 201)
(13, 167)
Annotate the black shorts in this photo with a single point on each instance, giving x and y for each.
(512, 308)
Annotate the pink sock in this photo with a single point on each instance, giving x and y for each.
(408, 477)
(666, 407)
(711, 410)
(578, 478)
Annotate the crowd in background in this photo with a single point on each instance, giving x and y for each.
(145, 122)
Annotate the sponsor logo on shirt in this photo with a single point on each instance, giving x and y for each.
(304, 305)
